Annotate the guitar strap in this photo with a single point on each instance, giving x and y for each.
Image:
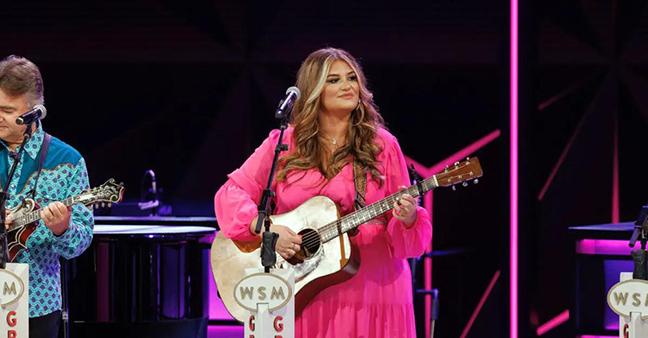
(41, 160)
(360, 183)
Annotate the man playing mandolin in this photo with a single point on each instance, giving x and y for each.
(48, 171)
(335, 124)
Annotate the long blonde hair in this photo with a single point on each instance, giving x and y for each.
(364, 123)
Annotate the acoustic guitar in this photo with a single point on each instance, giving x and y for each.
(327, 256)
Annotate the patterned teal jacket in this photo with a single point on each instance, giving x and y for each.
(64, 174)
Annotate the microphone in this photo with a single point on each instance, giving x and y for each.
(151, 173)
(285, 105)
(642, 220)
(38, 112)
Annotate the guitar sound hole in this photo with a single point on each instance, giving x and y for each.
(310, 242)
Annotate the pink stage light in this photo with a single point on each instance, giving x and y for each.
(615, 175)
(513, 308)
(553, 323)
(479, 306)
(603, 247)
(427, 203)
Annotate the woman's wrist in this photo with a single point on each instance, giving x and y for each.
(252, 226)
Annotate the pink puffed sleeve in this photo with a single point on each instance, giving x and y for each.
(235, 203)
(405, 241)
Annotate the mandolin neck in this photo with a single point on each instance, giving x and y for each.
(34, 215)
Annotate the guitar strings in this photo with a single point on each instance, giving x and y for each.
(312, 238)
(385, 203)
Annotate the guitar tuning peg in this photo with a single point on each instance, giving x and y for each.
(456, 163)
(467, 158)
(465, 184)
(454, 188)
(476, 181)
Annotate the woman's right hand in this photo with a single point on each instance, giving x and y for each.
(289, 243)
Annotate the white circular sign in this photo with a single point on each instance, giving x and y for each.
(11, 287)
(629, 296)
(262, 288)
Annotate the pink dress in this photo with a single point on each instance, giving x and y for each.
(377, 301)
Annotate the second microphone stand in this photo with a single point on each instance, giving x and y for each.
(640, 256)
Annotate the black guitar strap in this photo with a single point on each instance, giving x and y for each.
(41, 160)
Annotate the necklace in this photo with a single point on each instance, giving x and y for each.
(333, 143)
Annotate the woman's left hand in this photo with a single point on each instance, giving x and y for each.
(405, 208)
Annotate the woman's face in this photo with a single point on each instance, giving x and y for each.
(340, 94)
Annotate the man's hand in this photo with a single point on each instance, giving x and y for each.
(57, 217)
(8, 219)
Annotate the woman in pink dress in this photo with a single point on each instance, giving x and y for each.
(334, 123)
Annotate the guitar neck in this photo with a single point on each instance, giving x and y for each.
(355, 219)
(34, 215)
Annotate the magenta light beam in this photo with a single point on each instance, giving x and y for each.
(513, 308)
(427, 203)
(615, 174)
(553, 323)
(479, 306)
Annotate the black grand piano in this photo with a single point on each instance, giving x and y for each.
(142, 277)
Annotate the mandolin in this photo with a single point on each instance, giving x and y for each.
(24, 218)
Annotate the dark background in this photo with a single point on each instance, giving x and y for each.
(584, 113)
(187, 88)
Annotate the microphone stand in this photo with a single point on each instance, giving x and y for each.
(269, 239)
(640, 256)
(4, 196)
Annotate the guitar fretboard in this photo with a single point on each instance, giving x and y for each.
(354, 219)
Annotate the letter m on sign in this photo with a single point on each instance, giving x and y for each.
(9, 289)
(277, 293)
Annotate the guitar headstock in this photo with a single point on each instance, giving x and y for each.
(460, 172)
(107, 193)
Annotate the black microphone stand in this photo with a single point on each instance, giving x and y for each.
(269, 241)
(640, 256)
(4, 196)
